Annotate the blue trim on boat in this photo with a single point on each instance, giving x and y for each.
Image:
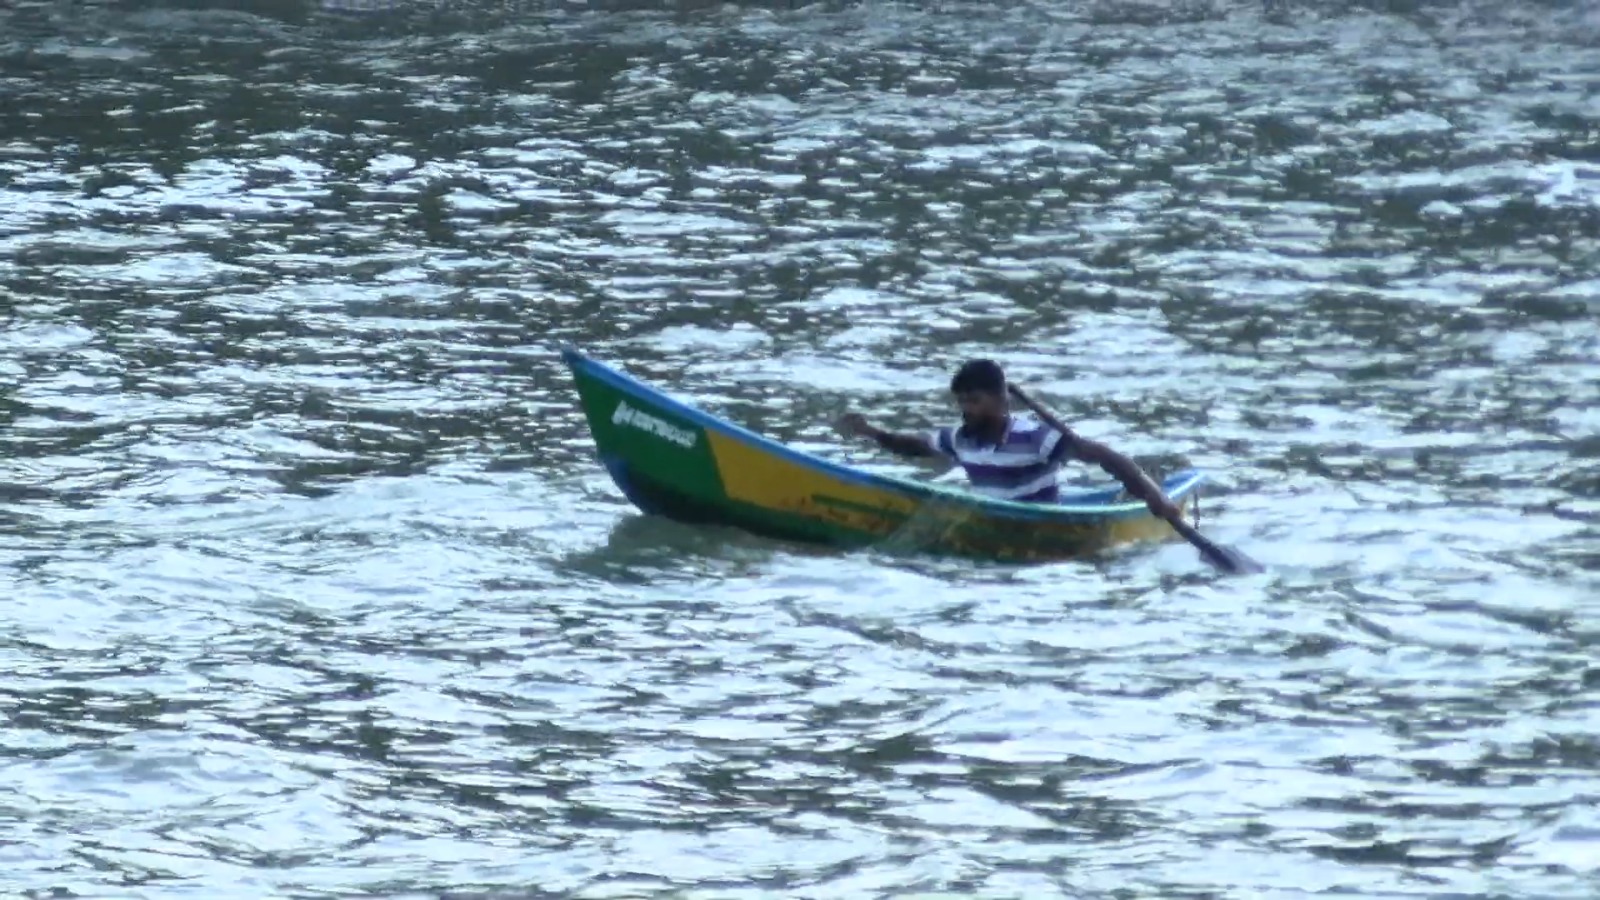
(1075, 506)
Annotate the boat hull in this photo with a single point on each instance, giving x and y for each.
(673, 460)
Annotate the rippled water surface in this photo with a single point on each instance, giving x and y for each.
(313, 587)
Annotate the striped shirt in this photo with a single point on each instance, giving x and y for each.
(1022, 466)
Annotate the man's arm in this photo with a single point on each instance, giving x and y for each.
(913, 445)
(1120, 467)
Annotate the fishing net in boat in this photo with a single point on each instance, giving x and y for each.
(947, 522)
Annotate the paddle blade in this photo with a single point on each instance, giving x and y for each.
(1231, 560)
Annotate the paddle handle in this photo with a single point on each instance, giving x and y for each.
(1172, 515)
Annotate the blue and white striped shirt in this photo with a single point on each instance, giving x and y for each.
(1022, 466)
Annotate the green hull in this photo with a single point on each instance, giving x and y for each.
(673, 460)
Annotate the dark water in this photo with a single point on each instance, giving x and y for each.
(313, 589)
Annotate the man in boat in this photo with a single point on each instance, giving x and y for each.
(1005, 455)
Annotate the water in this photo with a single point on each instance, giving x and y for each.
(313, 587)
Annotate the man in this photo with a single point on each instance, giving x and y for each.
(1005, 455)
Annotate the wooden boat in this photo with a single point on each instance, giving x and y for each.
(674, 460)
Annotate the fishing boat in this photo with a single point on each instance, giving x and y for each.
(672, 459)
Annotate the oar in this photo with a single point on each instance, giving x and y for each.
(1140, 485)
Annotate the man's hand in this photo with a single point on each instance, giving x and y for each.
(912, 445)
(853, 425)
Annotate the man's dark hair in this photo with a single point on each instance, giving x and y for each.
(979, 375)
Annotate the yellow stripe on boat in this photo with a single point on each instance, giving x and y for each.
(761, 478)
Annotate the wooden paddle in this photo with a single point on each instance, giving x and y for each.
(1142, 486)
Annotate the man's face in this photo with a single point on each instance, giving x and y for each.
(980, 408)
